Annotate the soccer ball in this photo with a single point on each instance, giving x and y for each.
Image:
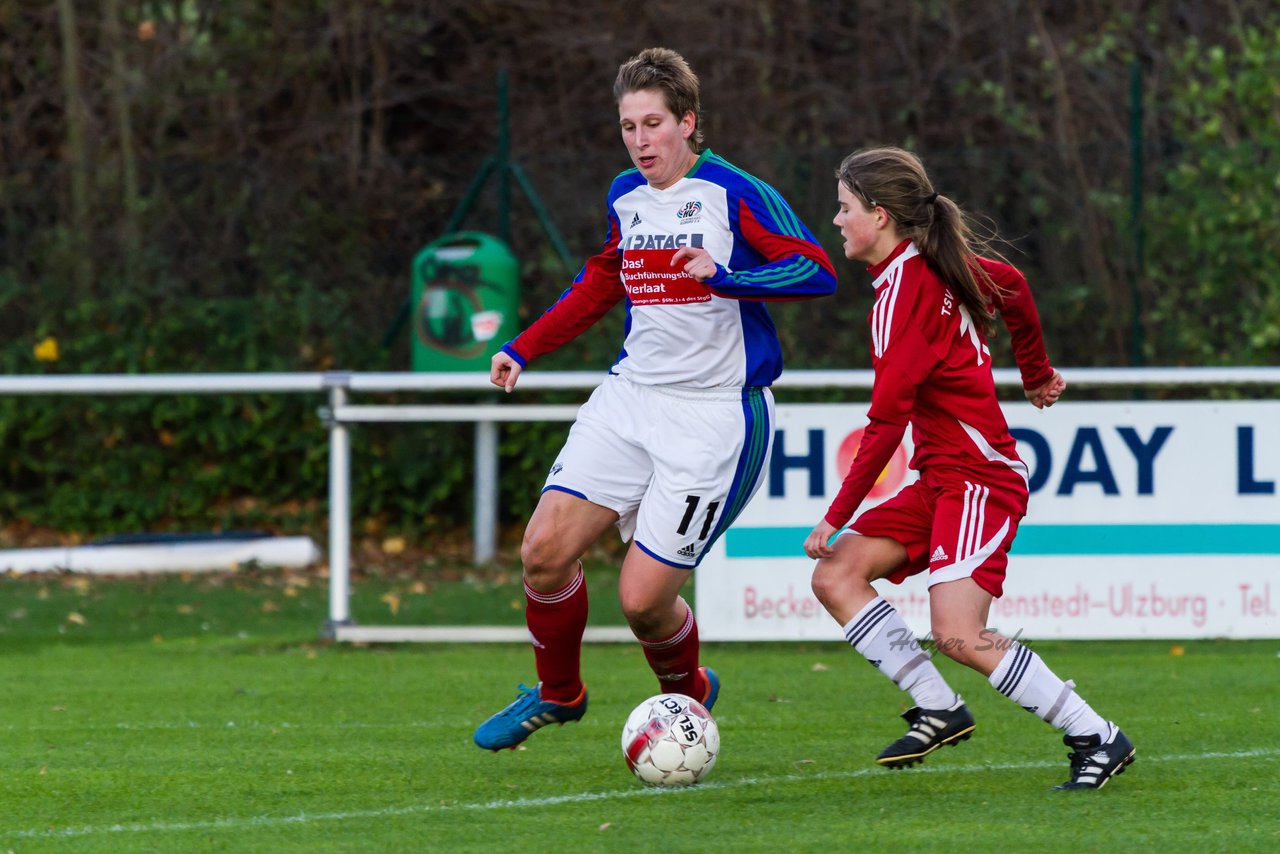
(670, 740)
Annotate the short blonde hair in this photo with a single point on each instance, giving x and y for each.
(665, 71)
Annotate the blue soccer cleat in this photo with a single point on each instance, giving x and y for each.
(713, 688)
(528, 714)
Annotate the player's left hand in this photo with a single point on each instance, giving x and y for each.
(504, 371)
(816, 545)
(1047, 394)
(700, 265)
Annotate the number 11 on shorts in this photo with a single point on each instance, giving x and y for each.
(691, 509)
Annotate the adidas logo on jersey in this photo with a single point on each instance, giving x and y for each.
(687, 551)
(635, 220)
(938, 554)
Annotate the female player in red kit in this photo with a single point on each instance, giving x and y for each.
(935, 303)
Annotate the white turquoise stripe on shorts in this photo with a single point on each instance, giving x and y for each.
(752, 463)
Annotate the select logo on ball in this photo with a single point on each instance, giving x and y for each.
(889, 481)
(670, 740)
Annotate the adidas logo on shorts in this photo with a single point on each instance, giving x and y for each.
(938, 554)
(687, 551)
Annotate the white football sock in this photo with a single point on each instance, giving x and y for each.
(878, 632)
(1023, 677)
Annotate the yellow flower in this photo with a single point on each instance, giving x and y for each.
(47, 350)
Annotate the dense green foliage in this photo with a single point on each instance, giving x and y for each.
(203, 715)
(1215, 225)
(195, 186)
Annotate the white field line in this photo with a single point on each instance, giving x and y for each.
(236, 823)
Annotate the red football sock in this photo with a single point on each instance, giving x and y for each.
(556, 622)
(674, 660)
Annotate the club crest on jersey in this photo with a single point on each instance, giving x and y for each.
(689, 213)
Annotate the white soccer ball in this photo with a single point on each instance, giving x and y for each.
(670, 740)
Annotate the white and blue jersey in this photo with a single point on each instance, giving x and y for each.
(679, 331)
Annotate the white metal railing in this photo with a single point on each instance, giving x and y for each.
(339, 385)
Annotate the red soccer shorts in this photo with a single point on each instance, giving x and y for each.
(952, 524)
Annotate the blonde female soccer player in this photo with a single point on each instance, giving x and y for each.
(676, 440)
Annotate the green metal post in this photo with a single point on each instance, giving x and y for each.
(540, 210)
(1136, 357)
(469, 197)
(504, 161)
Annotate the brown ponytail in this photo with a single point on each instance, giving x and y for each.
(895, 180)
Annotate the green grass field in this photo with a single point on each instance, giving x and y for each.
(203, 714)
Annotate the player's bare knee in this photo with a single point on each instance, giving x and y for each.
(545, 567)
(834, 580)
(644, 619)
(826, 582)
(538, 547)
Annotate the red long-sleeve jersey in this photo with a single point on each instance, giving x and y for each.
(933, 370)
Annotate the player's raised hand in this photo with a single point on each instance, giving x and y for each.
(698, 262)
(1047, 395)
(817, 544)
(504, 371)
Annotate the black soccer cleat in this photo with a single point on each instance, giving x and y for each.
(1094, 762)
(930, 729)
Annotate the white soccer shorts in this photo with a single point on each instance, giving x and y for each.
(677, 465)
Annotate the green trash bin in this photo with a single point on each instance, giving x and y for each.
(466, 294)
